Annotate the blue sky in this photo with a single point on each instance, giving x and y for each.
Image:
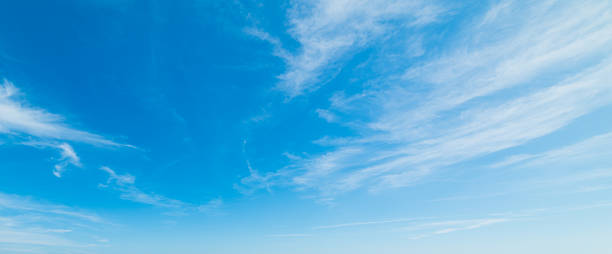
(336, 126)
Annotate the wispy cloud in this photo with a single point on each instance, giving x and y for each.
(36, 127)
(18, 118)
(368, 223)
(256, 181)
(15, 202)
(551, 59)
(288, 235)
(211, 206)
(445, 227)
(325, 114)
(67, 155)
(595, 147)
(575, 168)
(329, 31)
(117, 179)
(471, 225)
(126, 185)
(423, 227)
(43, 224)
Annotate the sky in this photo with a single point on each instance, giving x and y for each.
(291, 126)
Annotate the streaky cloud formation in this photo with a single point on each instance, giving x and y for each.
(38, 128)
(16, 202)
(551, 59)
(425, 227)
(445, 227)
(18, 119)
(387, 126)
(125, 184)
(592, 148)
(367, 223)
(67, 155)
(42, 224)
(329, 31)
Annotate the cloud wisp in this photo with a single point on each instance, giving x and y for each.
(551, 59)
(43, 224)
(369, 223)
(329, 31)
(595, 147)
(68, 155)
(36, 127)
(446, 227)
(125, 184)
(424, 227)
(17, 118)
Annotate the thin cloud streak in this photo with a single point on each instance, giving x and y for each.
(591, 148)
(17, 118)
(125, 184)
(288, 235)
(68, 155)
(366, 223)
(38, 128)
(15, 202)
(43, 224)
(434, 228)
(446, 227)
(329, 31)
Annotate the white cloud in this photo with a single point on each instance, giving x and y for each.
(288, 235)
(38, 128)
(18, 118)
(479, 132)
(368, 223)
(445, 227)
(118, 179)
(25, 222)
(212, 205)
(422, 227)
(326, 114)
(68, 157)
(248, 185)
(472, 225)
(14, 202)
(551, 43)
(587, 150)
(551, 59)
(329, 31)
(32, 238)
(575, 168)
(125, 185)
(430, 229)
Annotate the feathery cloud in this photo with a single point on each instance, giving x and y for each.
(552, 57)
(43, 224)
(595, 147)
(17, 118)
(368, 223)
(68, 156)
(329, 31)
(38, 128)
(125, 185)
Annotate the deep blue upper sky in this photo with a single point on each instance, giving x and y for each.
(334, 126)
